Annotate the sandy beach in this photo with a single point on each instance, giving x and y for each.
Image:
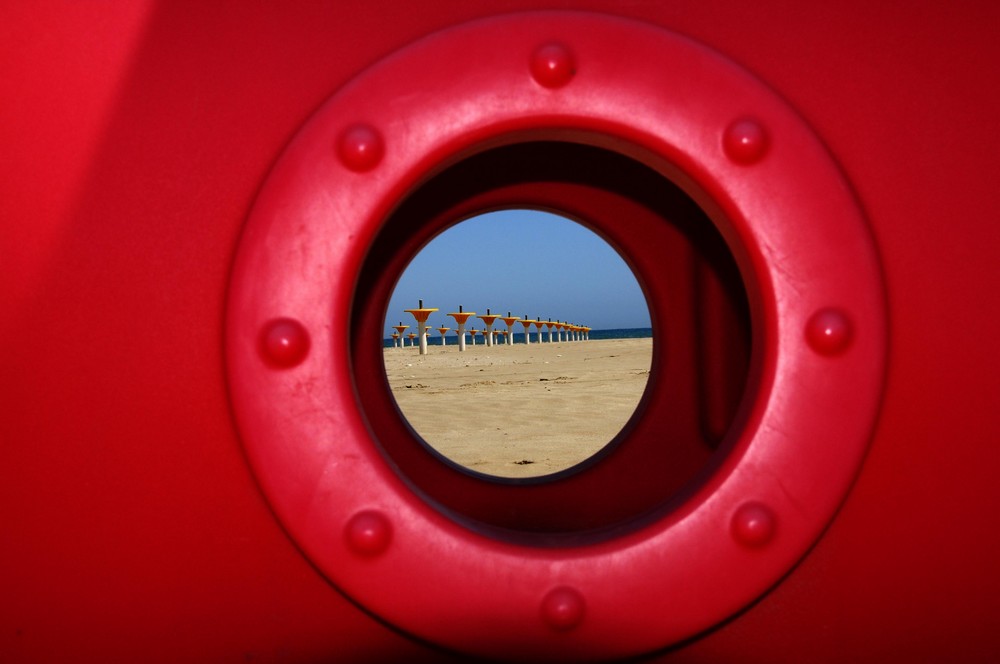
(523, 410)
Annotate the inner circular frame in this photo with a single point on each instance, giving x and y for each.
(488, 261)
(748, 159)
(662, 234)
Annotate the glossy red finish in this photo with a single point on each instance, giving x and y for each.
(314, 435)
(360, 147)
(131, 525)
(283, 343)
(553, 65)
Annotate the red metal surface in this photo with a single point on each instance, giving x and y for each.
(130, 522)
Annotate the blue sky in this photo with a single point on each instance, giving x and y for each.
(526, 262)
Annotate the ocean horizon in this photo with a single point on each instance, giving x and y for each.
(616, 333)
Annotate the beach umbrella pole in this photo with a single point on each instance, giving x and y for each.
(421, 314)
(461, 316)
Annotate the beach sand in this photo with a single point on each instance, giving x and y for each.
(524, 410)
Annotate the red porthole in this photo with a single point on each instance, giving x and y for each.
(622, 576)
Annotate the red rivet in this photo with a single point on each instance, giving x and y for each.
(368, 533)
(829, 332)
(284, 342)
(753, 524)
(552, 65)
(745, 141)
(563, 609)
(360, 147)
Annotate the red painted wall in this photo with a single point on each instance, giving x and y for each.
(133, 138)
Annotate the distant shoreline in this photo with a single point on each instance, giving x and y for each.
(595, 335)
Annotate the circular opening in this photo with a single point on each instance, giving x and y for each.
(495, 390)
(724, 477)
(698, 305)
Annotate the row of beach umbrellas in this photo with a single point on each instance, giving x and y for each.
(555, 331)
